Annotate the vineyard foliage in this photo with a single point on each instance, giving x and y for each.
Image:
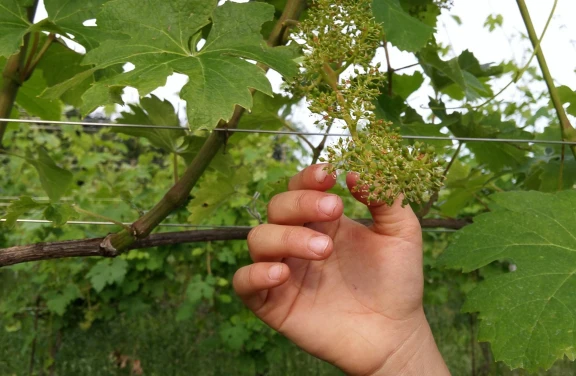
(515, 263)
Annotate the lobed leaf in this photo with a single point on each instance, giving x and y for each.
(163, 39)
(402, 30)
(23, 205)
(529, 315)
(65, 17)
(55, 180)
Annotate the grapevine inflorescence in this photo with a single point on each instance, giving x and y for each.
(338, 38)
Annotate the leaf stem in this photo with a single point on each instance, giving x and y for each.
(406, 67)
(318, 149)
(31, 53)
(30, 69)
(390, 69)
(568, 132)
(331, 78)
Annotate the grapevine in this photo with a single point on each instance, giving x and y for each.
(340, 36)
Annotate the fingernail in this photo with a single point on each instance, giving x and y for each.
(318, 244)
(275, 272)
(327, 205)
(320, 174)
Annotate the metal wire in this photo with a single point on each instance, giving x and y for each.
(89, 124)
(97, 223)
(14, 198)
(180, 225)
(292, 133)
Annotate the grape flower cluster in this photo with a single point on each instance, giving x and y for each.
(338, 38)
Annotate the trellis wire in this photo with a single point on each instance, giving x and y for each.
(291, 133)
(179, 225)
(14, 198)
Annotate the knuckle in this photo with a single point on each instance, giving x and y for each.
(250, 277)
(253, 235)
(286, 236)
(299, 201)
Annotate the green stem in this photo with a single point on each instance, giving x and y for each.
(31, 53)
(9, 89)
(390, 69)
(318, 149)
(51, 38)
(331, 78)
(178, 194)
(567, 131)
(175, 167)
(11, 77)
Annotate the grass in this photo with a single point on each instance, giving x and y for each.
(168, 348)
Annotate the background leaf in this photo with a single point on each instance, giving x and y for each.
(534, 307)
(55, 180)
(402, 30)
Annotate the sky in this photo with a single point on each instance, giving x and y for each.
(504, 43)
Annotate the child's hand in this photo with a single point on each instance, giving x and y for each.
(346, 293)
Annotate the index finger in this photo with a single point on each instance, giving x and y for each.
(314, 178)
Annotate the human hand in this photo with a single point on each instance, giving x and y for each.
(344, 292)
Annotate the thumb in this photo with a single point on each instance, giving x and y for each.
(394, 220)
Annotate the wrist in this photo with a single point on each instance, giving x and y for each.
(417, 356)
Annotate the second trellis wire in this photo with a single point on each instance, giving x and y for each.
(181, 225)
(294, 133)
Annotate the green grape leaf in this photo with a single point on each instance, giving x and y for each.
(405, 84)
(495, 155)
(402, 30)
(458, 77)
(528, 315)
(198, 289)
(469, 63)
(568, 96)
(58, 301)
(68, 17)
(29, 99)
(107, 272)
(268, 113)
(60, 63)
(234, 336)
(213, 194)
(154, 111)
(23, 205)
(55, 180)
(163, 40)
(421, 129)
(390, 108)
(59, 214)
(14, 25)
(64, 17)
(440, 71)
(461, 190)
